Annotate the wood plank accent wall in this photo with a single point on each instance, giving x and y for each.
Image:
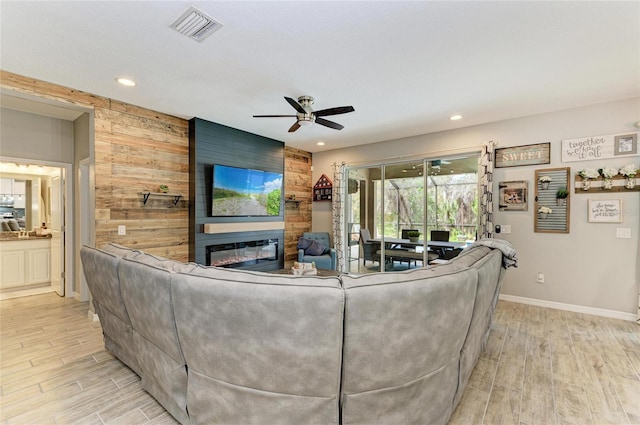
(136, 149)
(297, 218)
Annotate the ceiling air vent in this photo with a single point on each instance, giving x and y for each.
(196, 24)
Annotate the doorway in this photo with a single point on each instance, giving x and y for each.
(42, 205)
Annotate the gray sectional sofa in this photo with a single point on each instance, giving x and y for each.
(225, 346)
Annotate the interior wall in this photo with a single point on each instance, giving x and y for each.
(83, 136)
(297, 215)
(588, 267)
(136, 150)
(32, 136)
(211, 143)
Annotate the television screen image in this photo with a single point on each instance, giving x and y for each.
(242, 192)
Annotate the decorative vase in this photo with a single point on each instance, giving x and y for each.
(545, 185)
(607, 184)
(630, 183)
(414, 238)
(542, 216)
(586, 184)
(561, 201)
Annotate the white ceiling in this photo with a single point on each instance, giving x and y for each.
(404, 66)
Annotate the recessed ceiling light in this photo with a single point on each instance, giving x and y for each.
(126, 82)
(455, 117)
(320, 143)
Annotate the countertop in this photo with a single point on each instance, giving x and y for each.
(13, 236)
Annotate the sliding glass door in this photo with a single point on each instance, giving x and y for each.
(385, 202)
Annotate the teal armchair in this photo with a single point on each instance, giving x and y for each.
(324, 261)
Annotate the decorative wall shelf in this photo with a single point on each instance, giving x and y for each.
(145, 196)
(557, 220)
(597, 185)
(292, 202)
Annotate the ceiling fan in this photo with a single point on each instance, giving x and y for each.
(307, 116)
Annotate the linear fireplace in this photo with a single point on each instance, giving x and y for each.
(257, 255)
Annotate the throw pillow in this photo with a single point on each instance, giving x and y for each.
(13, 225)
(304, 243)
(316, 248)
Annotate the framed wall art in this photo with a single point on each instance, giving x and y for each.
(513, 196)
(604, 211)
(626, 144)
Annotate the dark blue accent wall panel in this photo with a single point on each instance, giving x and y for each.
(211, 143)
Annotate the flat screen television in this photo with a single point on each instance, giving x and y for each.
(243, 192)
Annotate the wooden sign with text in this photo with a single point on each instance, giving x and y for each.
(523, 155)
(599, 147)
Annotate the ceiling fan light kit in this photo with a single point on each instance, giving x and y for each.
(306, 116)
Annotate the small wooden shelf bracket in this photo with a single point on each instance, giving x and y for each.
(146, 195)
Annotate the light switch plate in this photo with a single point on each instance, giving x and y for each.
(623, 232)
(122, 230)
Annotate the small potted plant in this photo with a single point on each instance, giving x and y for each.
(544, 181)
(164, 188)
(543, 212)
(413, 235)
(561, 196)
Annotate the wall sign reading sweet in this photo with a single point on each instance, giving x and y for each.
(599, 147)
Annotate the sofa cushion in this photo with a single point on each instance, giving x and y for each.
(101, 272)
(153, 260)
(146, 290)
(402, 345)
(258, 343)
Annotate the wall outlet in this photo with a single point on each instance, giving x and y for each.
(122, 230)
(540, 277)
(506, 228)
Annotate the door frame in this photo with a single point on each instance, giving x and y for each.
(68, 245)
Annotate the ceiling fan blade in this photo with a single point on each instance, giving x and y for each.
(334, 111)
(274, 116)
(294, 127)
(329, 124)
(295, 105)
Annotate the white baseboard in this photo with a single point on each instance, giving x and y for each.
(571, 307)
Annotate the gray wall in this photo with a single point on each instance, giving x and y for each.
(588, 267)
(31, 136)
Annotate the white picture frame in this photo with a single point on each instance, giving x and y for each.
(604, 211)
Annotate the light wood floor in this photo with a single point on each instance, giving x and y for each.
(541, 366)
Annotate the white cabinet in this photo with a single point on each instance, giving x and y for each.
(13, 270)
(25, 262)
(39, 270)
(19, 193)
(6, 186)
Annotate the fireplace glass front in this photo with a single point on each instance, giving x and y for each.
(242, 254)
